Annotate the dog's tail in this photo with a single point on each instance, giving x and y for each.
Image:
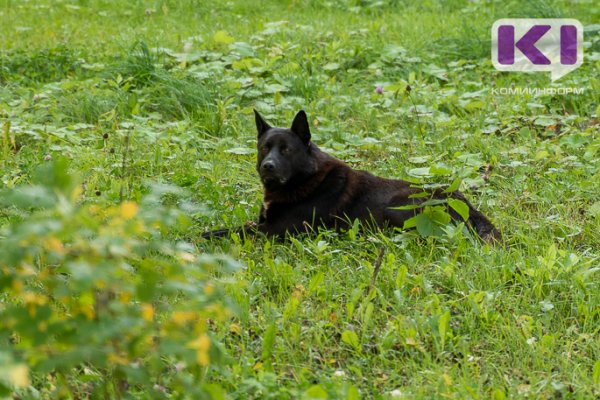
(479, 222)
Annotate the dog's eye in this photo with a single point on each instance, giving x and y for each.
(284, 149)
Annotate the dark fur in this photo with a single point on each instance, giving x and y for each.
(305, 187)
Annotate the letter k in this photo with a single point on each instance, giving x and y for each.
(527, 45)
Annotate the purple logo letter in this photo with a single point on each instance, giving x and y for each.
(506, 44)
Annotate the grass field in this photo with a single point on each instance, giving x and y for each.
(127, 130)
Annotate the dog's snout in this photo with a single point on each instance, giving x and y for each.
(268, 165)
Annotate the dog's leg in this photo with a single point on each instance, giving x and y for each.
(250, 227)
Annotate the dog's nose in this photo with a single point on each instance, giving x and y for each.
(268, 165)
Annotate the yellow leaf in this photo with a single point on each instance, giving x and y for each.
(203, 358)
(209, 289)
(202, 344)
(257, 366)
(235, 328)
(53, 244)
(541, 155)
(34, 298)
(447, 379)
(181, 317)
(147, 312)
(223, 37)
(298, 291)
(17, 286)
(88, 311)
(129, 209)
(19, 376)
(125, 297)
(76, 193)
(117, 359)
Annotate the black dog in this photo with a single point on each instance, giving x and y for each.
(305, 187)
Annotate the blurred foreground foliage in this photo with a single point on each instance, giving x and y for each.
(104, 295)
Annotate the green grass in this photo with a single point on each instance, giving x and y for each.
(171, 85)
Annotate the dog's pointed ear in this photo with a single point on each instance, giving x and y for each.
(300, 126)
(261, 125)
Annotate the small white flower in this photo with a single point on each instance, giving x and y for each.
(396, 393)
(472, 358)
(531, 341)
(179, 366)
(339, 374)
(160, 388)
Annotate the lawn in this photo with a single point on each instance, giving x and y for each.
(127, 130)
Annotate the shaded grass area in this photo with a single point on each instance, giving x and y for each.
(171, 85)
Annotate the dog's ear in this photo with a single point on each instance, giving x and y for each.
(300, 126)
(261, 125)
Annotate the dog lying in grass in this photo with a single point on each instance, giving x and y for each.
(305, 188)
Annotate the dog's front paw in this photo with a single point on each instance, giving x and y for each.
(252, 224)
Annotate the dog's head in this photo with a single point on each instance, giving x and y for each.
(284, 155)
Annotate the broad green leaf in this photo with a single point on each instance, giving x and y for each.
(545, 121)
(433, 202)
(596, 372)
(438, 215)
(222, 37)
(275, 88)
(352, 393)
(410, 223)
(396, 87)
(331, 66)
(540, 155)
(316, 281)
(460, 207)
(453, 186)
(424, 225)
(241, 150)
(443, 324)
(420, 172)
(350, 337)
(439, 170)
(419, 160)
(419, 195)
(315, 392)
(267, 344)
(594, 209)
(498, 394)
(368, 313)
(242, 48)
